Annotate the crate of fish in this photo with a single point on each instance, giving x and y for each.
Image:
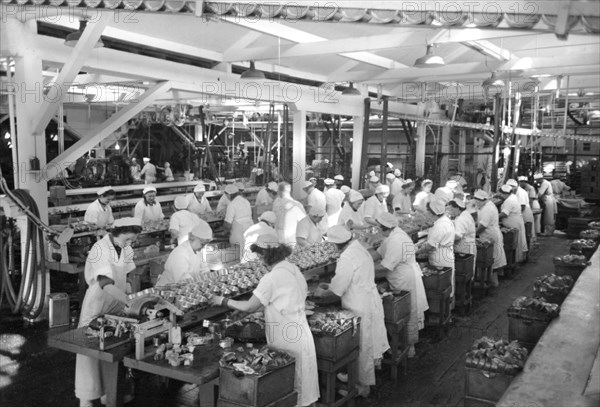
(396, 306)
(336, 333)
(485, 253)
(570, 265)
(552, 288)
(436, 278)
(585, 247)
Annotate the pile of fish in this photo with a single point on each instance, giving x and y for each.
(251, 361)
(571, 259)
(594, 225)
(580, 244)
(315, 255)
(250, 328)
(429, 270)
(331, 322)
(533, 309)
(498, 356)
(593, 234)
(552, 284)
(482, 243)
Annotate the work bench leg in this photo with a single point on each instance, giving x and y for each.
(352, 379)
(113, 376)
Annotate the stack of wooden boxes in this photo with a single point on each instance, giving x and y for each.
(590, 181)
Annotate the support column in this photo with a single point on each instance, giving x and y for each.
(298, 153)
(462, 149)
(420, 151)
(445, 145)
(357, 149)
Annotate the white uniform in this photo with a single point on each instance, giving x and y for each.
(402, 201)
(102, 260)
(465, 230)
(316, 199)
(148, 213)
(250, 237)
(404, 274)
(239, 215)
(183, 221)
(289, 212)
(149, 173)
(445, 194)
(100, 215)
(396, 187)
(546, 195)
(441, 237)
(199, 208)
(308, 230)
(334, 199)
(223, 203)
(558, 187)
(263, 202)
(354, 281)
(523, 198)
(421, 200)
(283, 294)
(183, 264)
(374, 207)
(514, 219)
(169, 175)
(349, 214)
(487, 217)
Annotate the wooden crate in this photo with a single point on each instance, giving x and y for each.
(487, 387)
(439, 307)
(510, 238)
(256, 390)
(439, 281)
(527, 331)
(485, 255)
(335, 347)
(396, 307)
(289, 400)
(464, 264)
(553, 298)
(463, 292)
(573, 270)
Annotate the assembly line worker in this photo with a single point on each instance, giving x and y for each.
(403, 200)
(186, 261)
(558, 187)
(147, 208)
(488, 227)
(283, 293)
(354, 282)
(440, 240)
(376, 205)
(548, 201)
(532, 203)
(397, 255)
(265, 197)
(446, 193)
(334, 198)
(314, 197)
(510, 216)
(99, 212)
(238, 217)
(148, 171)
(197, 202)
(526, 212)
(464, 228)
(310, 229)
(182, 221)
(373, 182)
(108, 262)
(423, 196)
(394, 183)
(339, 181)
(352, 214)
(289, 212)
(265, 226)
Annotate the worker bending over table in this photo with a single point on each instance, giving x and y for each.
(148, 209)
(265, 226)
(352, 214)
(310, 230)
(182, 221)
(99, 212)
(265, 197)
(376, 205)
(197, 202)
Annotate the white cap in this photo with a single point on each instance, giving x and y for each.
(339, 177)
(146, 159)
(345, 189)
(426, 182)
(451, 184)
(390, 165)
(437, 206)
(202, 231)
(407, 183)
(148, 189)
(317, 211)
(200, 187)
(307, 184)
(507, 189)
(382, 189)
(127, 222)
(272, 186)
(390, 176)
(231, 189)
(104, 190)
(387, 219)
(371, 173)
(460, 202)
(354, 196)
(397, 172)
(538, 175)
(522, 178)
(512, 183)
(313, 180)
(481, 195)
(266, 241)
(374, 179)
(338, 234)
(181, 202)
(328, 181)
(269, 216)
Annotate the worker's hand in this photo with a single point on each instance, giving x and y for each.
(324, 286)
(215, 300)
(350, 224)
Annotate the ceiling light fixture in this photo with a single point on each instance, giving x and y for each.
(74, 37)
(493, 81)
(252, 73)
(351, 91)
(429, 60)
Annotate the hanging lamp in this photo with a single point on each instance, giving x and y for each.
(351, 91)
(429, 60)
(493, 81)
(252, 73)
(72, 38)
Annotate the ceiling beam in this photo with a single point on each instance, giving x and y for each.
(80, 53)
(105, 129)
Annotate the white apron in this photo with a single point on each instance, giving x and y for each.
(488, 217)
(514, 220)
(239, 214)
(465, 226)
(283, 294)
(88, 371)
(441, 237)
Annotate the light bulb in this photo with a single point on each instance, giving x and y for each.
(117, 147)
(7, 135)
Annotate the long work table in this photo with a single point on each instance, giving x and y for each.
(564, 367)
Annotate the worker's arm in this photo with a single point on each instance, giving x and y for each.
(252, 305)
(108, 286)
(302, 242)
(227, 227)
(174, 234)
(352, 226)
(480, 229)
(502, 216)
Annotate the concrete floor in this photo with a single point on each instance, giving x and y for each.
(32, 375)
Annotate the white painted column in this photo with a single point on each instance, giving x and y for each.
(298, 153)
(462, 149)
(420, 151)
(357, 145)
(443, 169)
